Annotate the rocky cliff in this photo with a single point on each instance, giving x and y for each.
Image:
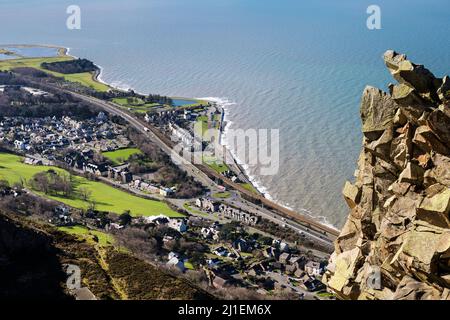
(396, 241)
(33, 255)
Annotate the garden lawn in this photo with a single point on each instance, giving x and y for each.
(249, 187)
(106, 197)
(138, 105)
(104, 239)
(215, 164)
(221, 195)
(85, 78)
(121, 155)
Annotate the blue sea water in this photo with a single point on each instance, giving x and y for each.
(28, 52)
(294, 65)
(182, 102)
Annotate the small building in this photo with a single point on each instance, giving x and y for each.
(284, 258)
(177, 263)
(178, 225)
(221, 252)
(313, 268)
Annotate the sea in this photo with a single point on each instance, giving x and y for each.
(297, 66)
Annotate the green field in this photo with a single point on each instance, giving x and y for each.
(214, 164)
(138, 105)
(201, 124)
(106, 197)
(85, 78)
(249, 187)
(120, 156)
(104, 239)
(221, 195)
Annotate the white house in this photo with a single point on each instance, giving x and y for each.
(178, 224)
(177, 263)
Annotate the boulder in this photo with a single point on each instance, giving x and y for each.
(425, 138)
(411, 289)
(406, 96)
(444, 90)
(435, 209)
(411, 174)
(410, 74)
(351, 194)
(377, 112)
(438, 122)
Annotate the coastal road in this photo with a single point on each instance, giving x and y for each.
(302, 230)
(145, 131)
(203, 174)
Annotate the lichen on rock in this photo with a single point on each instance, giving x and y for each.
(396, 241)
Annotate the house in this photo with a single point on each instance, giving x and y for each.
(97, 169)
(207, 205)
(35, 92)
(126, 176)
(313, 285)
(158, 220)
(165, 192)
(284, 247)
(221, 252)
(114, 226)
(271, 252)
(172, 255)
(299, 273)
(284, 258)
(255, 270)
(277, 265)
(313, 268)
(242, 245)
(210, 233)
(177, 263)
(291, 269)
(62, 210)
(212, 263)
(178, 225)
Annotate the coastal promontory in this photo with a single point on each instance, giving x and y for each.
(396, 241)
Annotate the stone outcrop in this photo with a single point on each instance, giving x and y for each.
(395, 243)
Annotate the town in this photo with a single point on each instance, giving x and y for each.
(212, 236)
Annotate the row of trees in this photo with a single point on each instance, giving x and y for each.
(71, 66)
(50, 182)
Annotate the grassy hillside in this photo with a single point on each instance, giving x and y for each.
(106, 197)
(104, 239)
(34, 254)
(85, 78)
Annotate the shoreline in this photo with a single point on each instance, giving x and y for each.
(223, 103)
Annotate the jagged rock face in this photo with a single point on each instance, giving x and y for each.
(395, 243)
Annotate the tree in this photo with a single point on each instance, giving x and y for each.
(92, 206)
(125, 218)
(40, 182)
(85, 193)
(4, 184)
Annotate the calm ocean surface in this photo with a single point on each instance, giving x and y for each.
(298, 66)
